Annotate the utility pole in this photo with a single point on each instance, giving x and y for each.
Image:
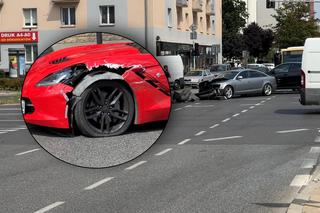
(193, 37)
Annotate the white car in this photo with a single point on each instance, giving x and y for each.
(310, 73)
(270, 66)
(193, 78)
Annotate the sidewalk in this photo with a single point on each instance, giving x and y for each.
(308, 200)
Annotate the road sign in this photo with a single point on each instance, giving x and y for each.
(19, 37)
(193, 35)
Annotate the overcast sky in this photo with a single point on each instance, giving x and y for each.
(317, 10)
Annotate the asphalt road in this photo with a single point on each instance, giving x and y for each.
(249, 154)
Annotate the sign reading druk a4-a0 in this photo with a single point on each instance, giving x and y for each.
(19, 37)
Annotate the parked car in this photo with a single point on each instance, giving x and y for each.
(288, 75)
(238, 82)
(310, 73)
(259, 67)
(100, 89)
(270, 66)
(193, 78)
(174, 65)
(218, 68)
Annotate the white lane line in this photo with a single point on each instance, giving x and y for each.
(268, 99)
(214, 126)
(163, 152)
(26, 152)
(3, 132)
(252, 107)
(300, 180)
(11, 113)
(188, 106)
(100, 182)
(308, 163)
(136, 165)
(247, 104)
(317, 140)
(51, 206)
(10, 109)
(11, 120)
(263, 102)
(235, 115)
(200, 133)
(225, 120)
(225, 138)
(243, 111)
(197, 103)
(292, 130)
(314, 150)
(8, 130)
(184, 141)
(178, 109)
(258, 104)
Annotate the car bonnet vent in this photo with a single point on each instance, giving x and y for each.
(59, 60)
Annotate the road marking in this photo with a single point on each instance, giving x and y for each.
(308, 163)
(268, 99)
(163, 152)
(11, 113)
(235, 115)
(214, 126)
(197, 103)
(225, 138)
(258, 104)
(184, 141)
(135, 165)
(251, 107)
(3, 132)
(314, 150)
(178, 109)
(188, 106)
(263, 102)
(26, 152)
(200, 133)
(100, 182)
(8, 130)
(300, 180)
(10, 109)
(293, 130)
(51, 206)
(317, 140)
(225, 120)
(243, 111)
(11, 120)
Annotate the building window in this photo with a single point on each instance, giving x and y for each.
(30, 17)
(208, 21)
(107, 15)
(31, 52)
(179, 17)
(201, 24)
(68, 16)
(187, 21)
(170, 20)
(271, 4)
(195, 18)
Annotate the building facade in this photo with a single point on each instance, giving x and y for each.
(261, 11)
(162, 26)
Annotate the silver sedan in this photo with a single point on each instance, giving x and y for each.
(238, 82)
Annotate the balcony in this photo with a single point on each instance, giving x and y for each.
(64, 1)
(197, 5)
(210, 8)
(182, 3)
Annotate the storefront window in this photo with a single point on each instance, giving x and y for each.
(31, 52)
(107, 15)
(68, 16)
(30, 17)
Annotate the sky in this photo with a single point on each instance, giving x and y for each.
(317, 9)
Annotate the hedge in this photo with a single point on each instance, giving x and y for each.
(12, 84)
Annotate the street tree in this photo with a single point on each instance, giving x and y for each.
(257, 41)
(294, 24)
(234, 16)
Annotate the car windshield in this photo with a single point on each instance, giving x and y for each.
(218, 68)
(194, 73)
(228, 75)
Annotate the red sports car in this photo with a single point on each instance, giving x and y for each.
(101, 89)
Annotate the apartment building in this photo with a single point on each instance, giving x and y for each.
(163, 26)
(261, 11)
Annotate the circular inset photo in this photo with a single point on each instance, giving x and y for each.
(96, 100)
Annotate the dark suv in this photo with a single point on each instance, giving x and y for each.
(288, 75)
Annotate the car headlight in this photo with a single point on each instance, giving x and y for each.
(56, 78)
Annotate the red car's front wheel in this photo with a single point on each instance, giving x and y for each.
(106, 108)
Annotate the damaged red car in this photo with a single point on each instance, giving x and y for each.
(99, 89)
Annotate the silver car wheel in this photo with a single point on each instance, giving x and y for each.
(228, 92)
(267, 89)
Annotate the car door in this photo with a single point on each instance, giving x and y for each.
(281, 73)
(242, 85)
(255, 81)
(294, 76)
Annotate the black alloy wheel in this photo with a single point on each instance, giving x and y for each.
(106, 108)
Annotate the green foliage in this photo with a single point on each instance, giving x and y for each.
(234, 16)
(13, 84)
(294, 24)
(258, 41)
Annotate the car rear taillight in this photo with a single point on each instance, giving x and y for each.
(303, 79)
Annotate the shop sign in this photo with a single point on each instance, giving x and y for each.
(19, 37)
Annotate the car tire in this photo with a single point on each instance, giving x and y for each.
(228, 92)
(176, 85)
(267, 90)
(106, 108)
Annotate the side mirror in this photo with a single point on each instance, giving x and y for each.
(240, 77)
